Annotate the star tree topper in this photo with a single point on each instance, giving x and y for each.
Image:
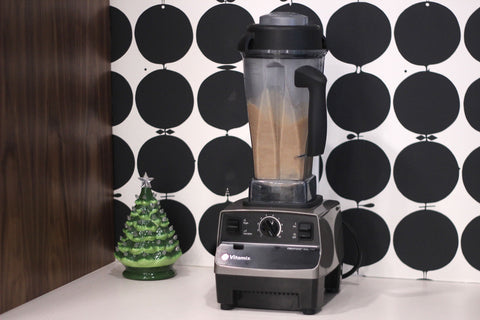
(146, 181)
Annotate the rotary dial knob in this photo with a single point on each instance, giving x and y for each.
(270, 226)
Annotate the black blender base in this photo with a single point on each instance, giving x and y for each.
(270, 293)
(305, 295)
(332, 280)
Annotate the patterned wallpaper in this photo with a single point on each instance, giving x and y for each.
(403, 143)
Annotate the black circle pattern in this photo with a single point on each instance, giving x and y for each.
(426, 103)
(220, 29)
(163, 34)
(208, 227)
(358, 102)
(182, 221)
(169, 160)
(471, 174)
(175, 94)
(425, 240)
(358, 33)
(472, 41)
(470, 241)
(358, 170)
(122, 98)
(120, 34)
(472, 104)
(372, 235)
(226, 163)
(121, 212)
(427, 33)
(123, 162)
(221, 100)
(426, 172)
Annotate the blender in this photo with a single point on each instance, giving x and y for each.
(282, 247)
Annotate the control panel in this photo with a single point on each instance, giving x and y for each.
(269, 227)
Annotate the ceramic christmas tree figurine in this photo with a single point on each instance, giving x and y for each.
(149, 245)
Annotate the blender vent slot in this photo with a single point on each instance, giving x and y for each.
(275, 293)
(283, 300)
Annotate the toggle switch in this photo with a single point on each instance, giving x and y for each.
(233, 225)
(305, 230)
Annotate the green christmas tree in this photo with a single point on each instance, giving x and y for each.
(149, 245)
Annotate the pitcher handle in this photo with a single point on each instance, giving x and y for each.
(313, 79)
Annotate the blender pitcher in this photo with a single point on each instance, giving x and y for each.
(285, 90)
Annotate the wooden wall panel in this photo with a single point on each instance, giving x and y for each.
(56, 207)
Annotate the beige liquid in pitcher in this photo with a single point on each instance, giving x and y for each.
(264, 142)
(279, 141)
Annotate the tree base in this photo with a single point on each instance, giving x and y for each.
(156, 273)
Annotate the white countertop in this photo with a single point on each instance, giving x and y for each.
(105, 294)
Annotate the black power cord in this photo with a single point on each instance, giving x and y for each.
(358, 262)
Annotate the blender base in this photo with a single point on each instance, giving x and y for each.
(305, 295)
(278, 258)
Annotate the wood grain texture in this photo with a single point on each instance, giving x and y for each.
(56, 207)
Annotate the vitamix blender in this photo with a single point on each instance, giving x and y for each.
(282, 247)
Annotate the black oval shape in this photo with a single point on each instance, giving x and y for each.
(426, 103)
(182, 221)
(164, 99)
(221, 100)
(358, 170)
(471, 103)
(358, 102)
(169, 160)
(427, 33)
(208, 227)
(372, 235)
(163, 34)
(358, 33)
(471, 174)
(120, 33)
(425, 240)
(226, 163)
(123, 162)
(472, 41)
(470, 241)
(122, 98)
(426, 172)
(220, 29)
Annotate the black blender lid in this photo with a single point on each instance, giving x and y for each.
(282, 31)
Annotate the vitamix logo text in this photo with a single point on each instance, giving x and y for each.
(227, 256)
(234, 257)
